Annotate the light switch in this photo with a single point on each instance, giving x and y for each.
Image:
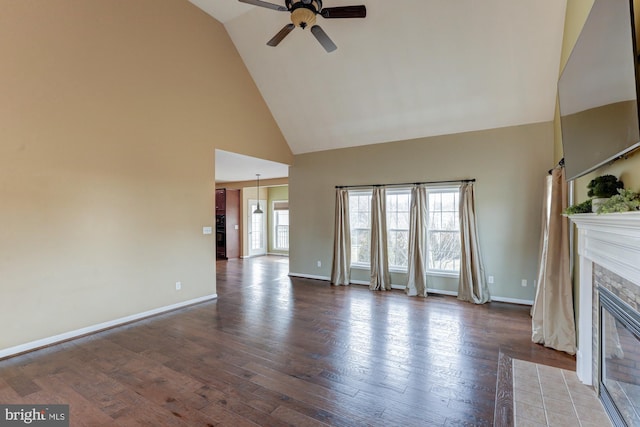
(207, 230)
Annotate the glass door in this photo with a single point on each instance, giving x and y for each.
(257, 228)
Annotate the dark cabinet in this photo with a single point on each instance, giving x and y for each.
(227, 223)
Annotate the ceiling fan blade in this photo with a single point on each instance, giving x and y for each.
(265, 4)
(275, 41)
(323, 38)
(344, 12)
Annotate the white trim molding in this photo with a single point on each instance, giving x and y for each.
(66, 336)
(310, 276)
(402, 287)
(613, 242)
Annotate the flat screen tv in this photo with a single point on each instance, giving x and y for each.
(598, 90)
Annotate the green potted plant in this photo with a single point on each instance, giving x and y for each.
(624, 201)
(580, 208)
(602, 188)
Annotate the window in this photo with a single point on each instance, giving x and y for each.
(443, 231)
(281, 225)
(398, 203)
(360, 223)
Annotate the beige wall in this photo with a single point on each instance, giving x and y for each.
(510, 165)
(110, 114)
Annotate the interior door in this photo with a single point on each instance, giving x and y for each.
(257, 228)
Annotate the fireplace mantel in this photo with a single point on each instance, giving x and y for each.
(613, 242)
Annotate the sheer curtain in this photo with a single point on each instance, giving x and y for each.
(380, 277)
(341, 267)
(472, 286)
(552, 314)
(416, 282)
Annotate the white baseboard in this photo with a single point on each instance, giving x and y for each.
(512, 300)
(442, 292)
(44, 342)
(310, 276)
(430, 290)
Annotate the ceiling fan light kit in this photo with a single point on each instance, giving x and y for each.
(303, 15)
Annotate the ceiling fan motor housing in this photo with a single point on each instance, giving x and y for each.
(303, 12)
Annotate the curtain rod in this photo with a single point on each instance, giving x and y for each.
(458, 181)
(559, 165)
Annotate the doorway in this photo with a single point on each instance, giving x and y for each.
(257, 225)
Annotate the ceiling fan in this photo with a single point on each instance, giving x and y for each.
(303, 14)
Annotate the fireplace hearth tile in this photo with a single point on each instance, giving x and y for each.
(528, 412)
(562, 420)
(561, 407)
(564, 402)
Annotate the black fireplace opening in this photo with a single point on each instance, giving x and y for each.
(619, 359)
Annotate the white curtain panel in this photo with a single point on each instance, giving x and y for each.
(552, 314)
(416, 277)
(380, 277)
(472, 286)
(341, 266)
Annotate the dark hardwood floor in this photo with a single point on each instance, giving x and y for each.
(278, 351)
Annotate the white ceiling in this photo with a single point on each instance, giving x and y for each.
(232, 167)
(410, 69)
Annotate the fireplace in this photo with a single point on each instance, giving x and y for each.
(619, 377)
(608, 311)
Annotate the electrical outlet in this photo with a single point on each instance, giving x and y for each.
(319, 264)
(524, 283)
(490, 279)
(178, 286)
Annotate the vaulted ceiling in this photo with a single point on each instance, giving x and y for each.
(410, 69)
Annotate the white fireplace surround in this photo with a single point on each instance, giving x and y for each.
(613, 242)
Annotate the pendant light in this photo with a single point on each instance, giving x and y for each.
(258, 210)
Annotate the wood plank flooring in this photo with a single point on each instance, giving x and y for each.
(277, 351)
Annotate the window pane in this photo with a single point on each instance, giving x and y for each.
(281, 223)
(435, 202)
(403, 221)
(392, 202)
(398, 248)
(360, 252)
(442, 229)
(448, 201)
(443, 232)
(360, 222)
(398, 228)
(364, 203)
(448, 221)
(403, 202)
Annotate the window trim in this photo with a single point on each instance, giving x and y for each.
(402, 191)
(279, 206)
(360, 192)
(441, 189)
(395, 269)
